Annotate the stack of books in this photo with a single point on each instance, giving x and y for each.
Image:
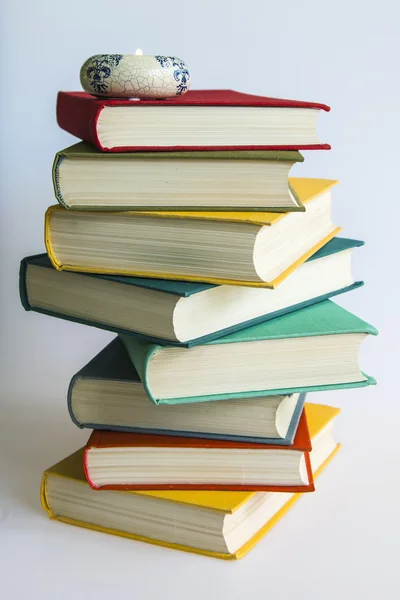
(179, 229)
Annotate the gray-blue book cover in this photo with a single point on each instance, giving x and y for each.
(113, 365)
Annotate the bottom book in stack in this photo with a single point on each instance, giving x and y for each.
(223, 524)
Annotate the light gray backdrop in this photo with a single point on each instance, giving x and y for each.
(337, 543)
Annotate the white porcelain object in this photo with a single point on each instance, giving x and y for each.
(134, 76)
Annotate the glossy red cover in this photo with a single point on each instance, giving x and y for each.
(116, 439)
(78, 113)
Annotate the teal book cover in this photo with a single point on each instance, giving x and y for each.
(178, 289)
(322, 319)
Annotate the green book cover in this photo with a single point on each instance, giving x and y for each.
(325, 318)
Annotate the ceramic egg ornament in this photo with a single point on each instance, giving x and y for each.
(135, 76)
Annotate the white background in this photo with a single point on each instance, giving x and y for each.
(342, 541)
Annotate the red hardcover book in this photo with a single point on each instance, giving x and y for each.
(135, 461)
(199, 120)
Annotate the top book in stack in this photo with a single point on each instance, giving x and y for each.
(199, 120)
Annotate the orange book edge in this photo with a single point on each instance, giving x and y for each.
(114, 439)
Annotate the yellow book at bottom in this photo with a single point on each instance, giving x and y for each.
(319, 417)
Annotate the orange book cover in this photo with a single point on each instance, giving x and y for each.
(114, 439)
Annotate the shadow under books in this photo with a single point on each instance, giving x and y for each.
(32, 438)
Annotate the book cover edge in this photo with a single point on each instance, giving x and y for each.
(350, 245)
(195, 341)
(172, 276)
(286, 441)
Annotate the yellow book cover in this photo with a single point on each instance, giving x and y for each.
(318, 416)
(306, 190)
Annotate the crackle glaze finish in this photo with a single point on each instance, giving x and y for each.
(134, 76)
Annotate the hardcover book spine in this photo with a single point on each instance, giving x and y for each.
(56, 180)
(69, 401)
(95, 437)
(79, 117)
(23, 294)
(140, 352)
(47, 239)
